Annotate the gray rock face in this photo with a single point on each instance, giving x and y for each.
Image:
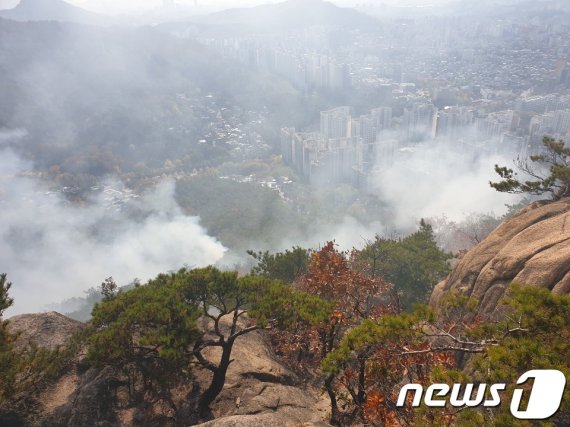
(531, 248)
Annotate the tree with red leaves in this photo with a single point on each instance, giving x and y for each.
(355, 297)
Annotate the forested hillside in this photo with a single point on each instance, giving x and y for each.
(162, 352)
(100, 100)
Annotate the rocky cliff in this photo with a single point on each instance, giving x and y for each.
(259, 390)
(531, 248)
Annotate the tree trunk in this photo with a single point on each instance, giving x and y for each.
(218, 381)
(361, 395)
(335, 419)
(361, 382)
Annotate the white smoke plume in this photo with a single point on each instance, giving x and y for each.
(7, 135)
(53, 250)
(430, 180)
(347, 233)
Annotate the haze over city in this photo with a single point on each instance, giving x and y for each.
(284, 212)
(130, 6)
(340, 123)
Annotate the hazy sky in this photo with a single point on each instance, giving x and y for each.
(127, 6)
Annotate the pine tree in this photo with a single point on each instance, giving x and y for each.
(556, 158)
(8, 360)
(414, 264)
(151, 334)
(285, 266)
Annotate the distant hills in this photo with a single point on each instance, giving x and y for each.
(286, 16)
(51, 10)
(292, 13)
(87, 92)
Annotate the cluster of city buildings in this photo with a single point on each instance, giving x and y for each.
(478, 81)
(347, 147)
(307, 70)
(226, 127)
(344, 150)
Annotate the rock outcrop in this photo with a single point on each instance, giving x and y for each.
(259, 390)
(531, 248)
(49, 330)
(91, 402)
(46, 330)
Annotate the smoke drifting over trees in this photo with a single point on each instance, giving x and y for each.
(54, 250)
(192, 110)
(432, 179)
(157, 167)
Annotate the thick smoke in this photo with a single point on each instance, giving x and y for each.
(431, 180)
(53, 250)
(8, 135)
(428, 180)
(434, 179)
(347, 233)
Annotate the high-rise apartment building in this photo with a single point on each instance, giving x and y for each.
(418, 121)
(336, 123)
(451, 122)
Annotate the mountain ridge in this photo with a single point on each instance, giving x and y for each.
(52, 10)
(292, 13)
